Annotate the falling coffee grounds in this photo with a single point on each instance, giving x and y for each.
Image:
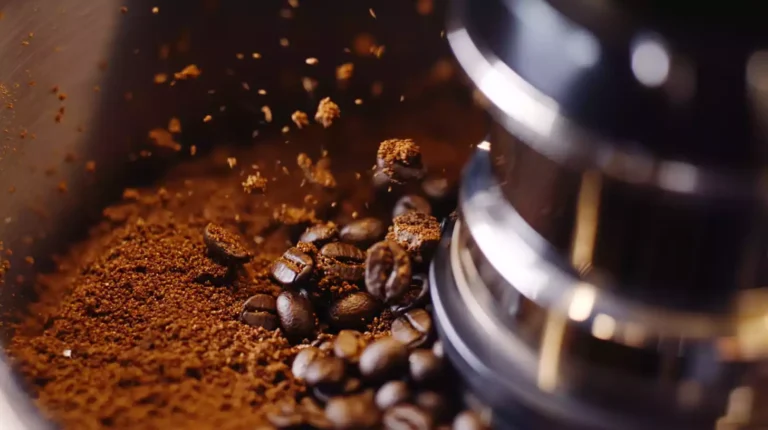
(198, 305)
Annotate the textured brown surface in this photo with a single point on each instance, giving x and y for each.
(139, 328)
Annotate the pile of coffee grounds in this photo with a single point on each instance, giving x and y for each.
(142, 325)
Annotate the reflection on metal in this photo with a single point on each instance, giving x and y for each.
(582, 302)
(603, 327)
(551, 346)
(586, 219)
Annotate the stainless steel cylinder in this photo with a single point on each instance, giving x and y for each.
(607, 268)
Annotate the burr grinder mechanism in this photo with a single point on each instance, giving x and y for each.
(607, 268)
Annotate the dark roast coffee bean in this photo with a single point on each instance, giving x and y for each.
(320, 234)
(418, 233)
(261, 302)
(325, 393)
(325, 371)
(406, 417)
(416, 296)
(424, 365)
(343, 261)
(348, 346)
(260, 319)
(436, 187)
(391, 394)
(296, 315)
(413, 328)
(224, 245)
(353, 311)
(293, 267)
(353, 412)
(383, 358)
(387, 271)
(285, 418)
(363, 232)
(434, 404)
(468, 420)
(411, 202)
(260, 311)
(303, 359)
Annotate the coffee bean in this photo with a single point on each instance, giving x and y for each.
(343, 261)
(436, 187)
(260, 311)
(413, 328)
(293, 267)
(303, 359)
(411, 202)
(468, 420)
(424, 365)
(391, 394)
(416, 296)
(260, 319)
(407, 417)
(383, 358)
(326, 393)
(363, 232)
(320, 234)
(296, 315)
(353, 412)
(434, 404)
(353, 311)
(224, 245)
(418, 233)
(325, 371)
(399, 160)
(348, 346)
(387, 271)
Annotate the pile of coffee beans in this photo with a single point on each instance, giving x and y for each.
(335, 282)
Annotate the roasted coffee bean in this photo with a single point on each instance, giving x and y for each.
(399, 160)
(436, 187)
(424, 365)
(435, 404)
(406, 417)
(343, 261)
(413, 328)
(353, 311)
(224, 245)
(387, 271)
(326, 393)
(303, 359)
(468, 420)
(296, 315)
(411, 202)
(353, 412)
(348, 346)
(326, 372)
(260, 319)
(391, 394)
(293, 267)
(416, 296)
(285, 417)
(320, 234)
(363, 232)
(383, 358)
(260, 311)
(418, 233)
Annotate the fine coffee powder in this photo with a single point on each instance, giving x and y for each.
(148, 323)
